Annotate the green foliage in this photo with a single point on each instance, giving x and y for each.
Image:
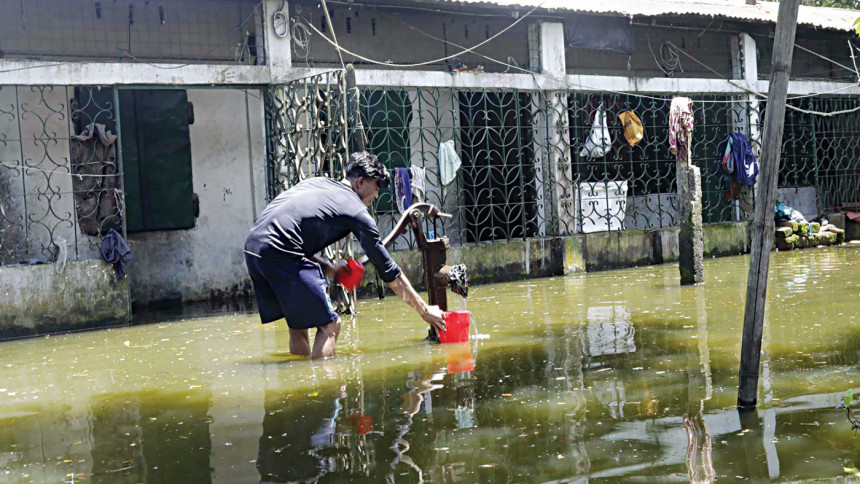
(848, 398)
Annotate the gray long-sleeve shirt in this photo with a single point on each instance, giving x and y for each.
(311, 216)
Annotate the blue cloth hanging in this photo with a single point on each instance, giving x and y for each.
(402, 188)
(736, 160)
(115, 251)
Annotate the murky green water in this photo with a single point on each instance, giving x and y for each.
(605, 377)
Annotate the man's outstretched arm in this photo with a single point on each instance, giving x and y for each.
(431, 314)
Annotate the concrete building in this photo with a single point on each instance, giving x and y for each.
(220, 104)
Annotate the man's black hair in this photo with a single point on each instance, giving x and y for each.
(364, 164)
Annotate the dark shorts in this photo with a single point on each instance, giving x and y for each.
(296, 291)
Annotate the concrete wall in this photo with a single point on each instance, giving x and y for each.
(803, 199)
(76, 29)
(524, 259)
(228, 159)
(385, 34)
(712, 48)
(47, 298)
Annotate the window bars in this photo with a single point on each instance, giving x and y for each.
(524, 169)
(60, 178)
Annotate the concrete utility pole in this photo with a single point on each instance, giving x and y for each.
(690, 237)
(763, 226)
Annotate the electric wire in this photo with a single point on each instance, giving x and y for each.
(340, 48)
(570, 84)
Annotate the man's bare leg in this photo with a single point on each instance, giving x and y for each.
(299, 343)
(326, 340)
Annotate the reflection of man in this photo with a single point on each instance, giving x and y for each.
(287, 275)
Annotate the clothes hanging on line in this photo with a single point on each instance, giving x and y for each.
(598, 142)
(402, 189)
(680, 127)
(737, 163)
(419, 182)
(449, 162)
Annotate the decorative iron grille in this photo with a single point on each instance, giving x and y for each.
(524, 172)
(60, 178)
(823, 151)
(306, 130)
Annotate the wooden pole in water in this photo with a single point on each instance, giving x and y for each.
(763, 226)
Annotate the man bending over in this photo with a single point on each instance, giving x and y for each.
(289, 278)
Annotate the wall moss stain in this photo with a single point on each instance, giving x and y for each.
(726, 239)
(574, 254)
(615, 250)
(84, 295)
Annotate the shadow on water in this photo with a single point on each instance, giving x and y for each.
(173, 311)
(595, 378)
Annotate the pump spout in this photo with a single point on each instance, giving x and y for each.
(456, 278)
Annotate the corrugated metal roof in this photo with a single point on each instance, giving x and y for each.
(819, 17)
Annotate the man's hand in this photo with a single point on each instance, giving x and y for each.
(435, 317)
(333, 271)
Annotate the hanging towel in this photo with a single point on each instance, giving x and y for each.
(737, 161)
(449, 162)
(598, 141)
(402, 188)
(419, 182)
(680, 126)
(633, 130)
(115, 251)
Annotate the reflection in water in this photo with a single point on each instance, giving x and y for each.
(608, 331)
(603, 377)
(700, 465)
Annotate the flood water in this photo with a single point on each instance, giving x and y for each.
(618, 376)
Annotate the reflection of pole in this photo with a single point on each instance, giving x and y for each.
(763, 227)
(769, 431)
(700, 466)
(704, 351)
(752, 445)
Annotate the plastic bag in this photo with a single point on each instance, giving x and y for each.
(598, 142)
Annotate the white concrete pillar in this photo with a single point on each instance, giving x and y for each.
(746, 118)
(553, 175)
(276, 38)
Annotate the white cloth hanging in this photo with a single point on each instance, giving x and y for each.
(598, 142)
(449, 162)
(419, 184)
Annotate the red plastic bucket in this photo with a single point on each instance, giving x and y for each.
(457, 324)
(350, 276)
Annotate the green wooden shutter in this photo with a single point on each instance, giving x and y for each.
(156, 155)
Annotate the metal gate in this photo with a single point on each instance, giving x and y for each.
(306, 130)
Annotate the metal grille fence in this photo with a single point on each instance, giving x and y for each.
(306, 130)
(823, 152)
(525, 173)
(60, 182)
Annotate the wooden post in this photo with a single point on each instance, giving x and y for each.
(763, 226)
